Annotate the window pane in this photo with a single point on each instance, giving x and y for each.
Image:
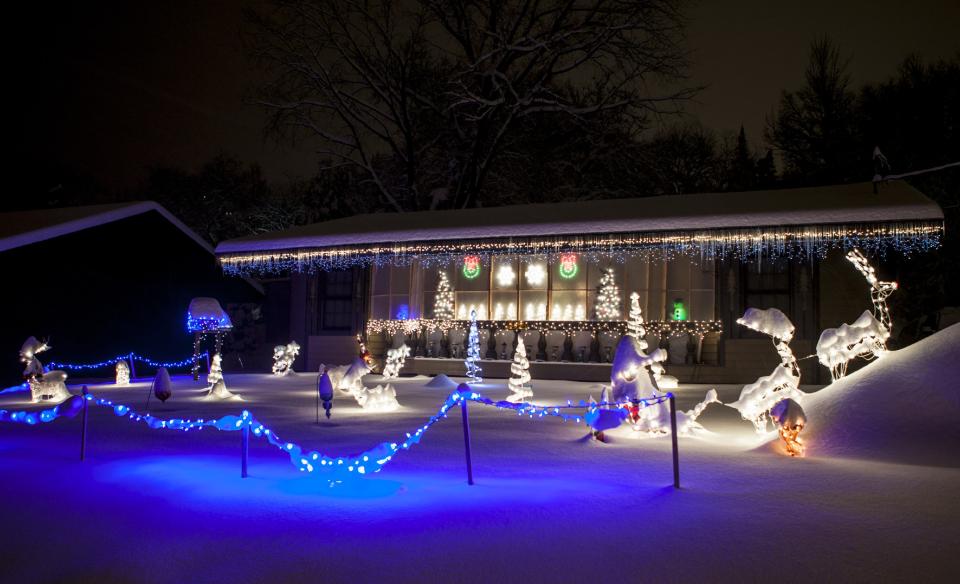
(533, 274)
(504, 306)
(569, 305)
(533, 305)
(568, 272)
(505, 275)
(468, 301)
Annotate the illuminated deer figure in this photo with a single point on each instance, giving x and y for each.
(867, 336)
(879, 291)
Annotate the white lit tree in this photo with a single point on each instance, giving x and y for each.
(635, 326)
(443, 302)
(608, 297)
(216, 370)
(473, 350)
(519, 374)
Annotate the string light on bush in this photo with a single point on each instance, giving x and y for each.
(659, 328)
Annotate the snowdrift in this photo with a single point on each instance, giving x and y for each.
(903, 408)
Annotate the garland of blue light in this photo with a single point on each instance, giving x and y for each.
(109, 363)
(335, 469)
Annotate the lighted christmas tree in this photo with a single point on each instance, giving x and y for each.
(635, 326)
(608, 297)
(519, 375)
(473, 350)
(443, 302)
(216, 370)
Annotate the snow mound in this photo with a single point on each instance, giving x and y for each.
(904, 407)
(442, 382)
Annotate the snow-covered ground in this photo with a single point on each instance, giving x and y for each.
(547, 506)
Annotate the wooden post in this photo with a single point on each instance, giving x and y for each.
(83, 425)
(673, 438)
(466, 437)
(244, 448)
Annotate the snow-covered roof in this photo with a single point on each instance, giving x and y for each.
(19, 228)
(812, 206)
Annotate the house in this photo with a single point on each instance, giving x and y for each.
(696, 261)
(104, 280)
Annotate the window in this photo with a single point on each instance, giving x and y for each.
(336, 301)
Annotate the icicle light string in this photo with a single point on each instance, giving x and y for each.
(334, 468)
(748, 243)
(127, 357)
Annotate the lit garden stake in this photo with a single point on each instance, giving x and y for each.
(473, 350)
(519, 375)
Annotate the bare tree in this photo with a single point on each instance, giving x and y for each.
(422, 95)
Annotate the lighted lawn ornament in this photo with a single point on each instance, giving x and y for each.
(216, 370)
(473, 351)
(637, 330)
(218, 386)
(44, 385)
(789, 418)
(283, 357)
(123, 373)
(324, 394)
(757, 398)
(382, 398)
(395, 360)
(519, 375)
(205, 317)
(162, 387)
(633, 373)
(867, 336)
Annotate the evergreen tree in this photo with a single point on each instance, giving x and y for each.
(767, 171)
(473, 350)
(743, 171)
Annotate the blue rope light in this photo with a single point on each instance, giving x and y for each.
(335, 469)
(134, 356)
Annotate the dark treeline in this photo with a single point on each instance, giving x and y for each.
(823, 132)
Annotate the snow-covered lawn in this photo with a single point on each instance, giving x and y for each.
(547, 506)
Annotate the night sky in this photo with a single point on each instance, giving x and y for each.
(109, 89)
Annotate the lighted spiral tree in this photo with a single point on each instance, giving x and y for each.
(473, 350)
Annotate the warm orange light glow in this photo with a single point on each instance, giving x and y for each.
(791, 437)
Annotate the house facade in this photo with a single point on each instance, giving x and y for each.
(537, 273)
